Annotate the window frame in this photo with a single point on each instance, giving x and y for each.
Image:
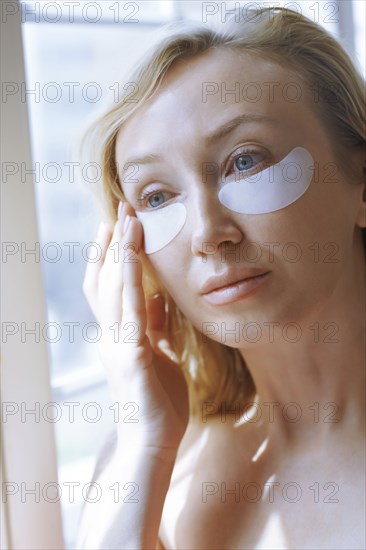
(28, 447)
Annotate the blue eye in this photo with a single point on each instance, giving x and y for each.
(156, 199)
(153, 198)
(244, 162)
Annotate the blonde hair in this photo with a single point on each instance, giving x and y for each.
(215, 373)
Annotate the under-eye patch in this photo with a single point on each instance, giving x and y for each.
(161, 225)
(272, 189)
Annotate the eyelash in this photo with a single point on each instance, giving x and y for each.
(149, 192)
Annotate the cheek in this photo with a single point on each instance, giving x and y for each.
(171, 267)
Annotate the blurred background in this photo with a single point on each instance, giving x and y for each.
(75, 56)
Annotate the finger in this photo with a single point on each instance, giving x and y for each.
(113, 253)
(90, 283)
(111, 276)
(133, 298)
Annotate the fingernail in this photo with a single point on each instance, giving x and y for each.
(126, 224)
(120, 207)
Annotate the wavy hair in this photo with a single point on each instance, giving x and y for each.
(215, 373)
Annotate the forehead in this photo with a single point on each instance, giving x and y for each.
(199, 94)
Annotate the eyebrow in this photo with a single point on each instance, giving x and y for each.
(230, 125)
(146, 159)
(220, 132)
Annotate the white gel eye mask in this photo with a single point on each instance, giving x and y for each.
(272, 189)
(162, 225)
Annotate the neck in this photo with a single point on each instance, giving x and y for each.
(314, 385)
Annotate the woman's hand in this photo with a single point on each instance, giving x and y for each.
(131, 344)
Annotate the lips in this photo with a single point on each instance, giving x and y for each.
(230, 277)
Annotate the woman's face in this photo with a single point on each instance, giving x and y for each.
(306, 246)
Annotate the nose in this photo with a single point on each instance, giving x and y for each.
(211, 224)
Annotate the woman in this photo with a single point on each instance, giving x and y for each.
(237, 296)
